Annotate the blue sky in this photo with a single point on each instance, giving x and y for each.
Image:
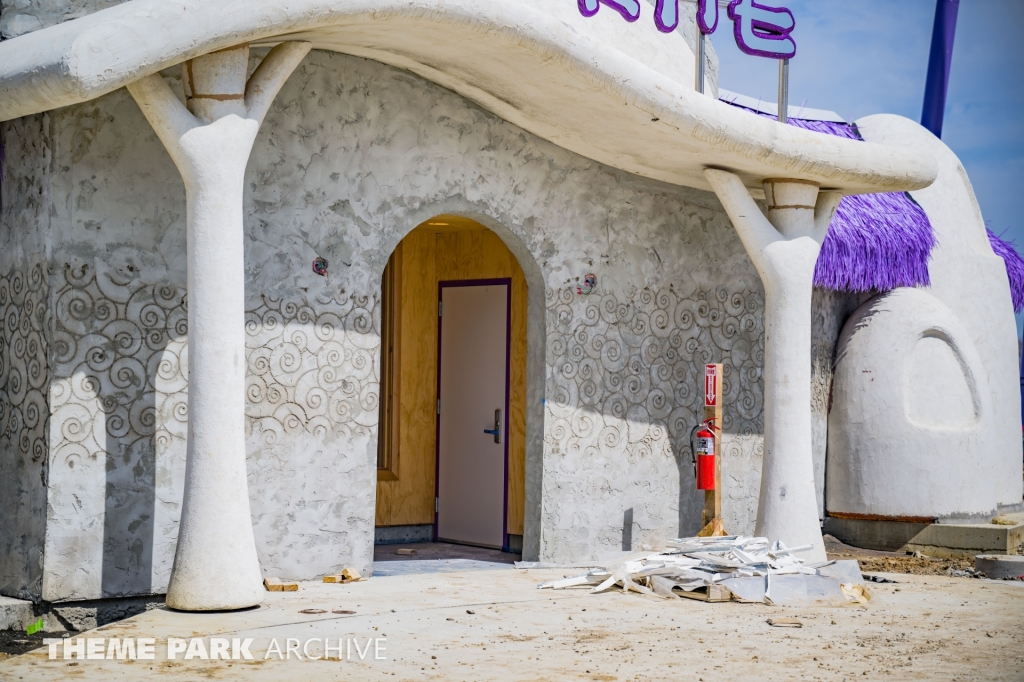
(860, 57)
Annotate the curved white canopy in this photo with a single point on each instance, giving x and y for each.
(614, 92)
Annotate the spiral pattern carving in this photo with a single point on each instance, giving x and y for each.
(625, 379)
(120, 373)
(644, 357)
(24, 362)
(118, 394)
(312, 370)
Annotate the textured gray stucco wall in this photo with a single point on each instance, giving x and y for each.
(24, 345)
(353, 156)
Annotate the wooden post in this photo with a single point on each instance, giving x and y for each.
(712, 516)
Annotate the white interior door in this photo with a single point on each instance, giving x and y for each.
(473, 375)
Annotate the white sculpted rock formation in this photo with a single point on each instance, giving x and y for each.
(215, 564)
(784, 251)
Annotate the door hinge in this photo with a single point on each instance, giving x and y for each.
(437, 505)
(440, 308)
(439, 406)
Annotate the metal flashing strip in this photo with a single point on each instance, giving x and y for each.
(801, 112)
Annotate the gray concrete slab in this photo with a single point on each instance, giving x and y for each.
(1000, 566)
(15, 614)
(438, 557)
(425, 551)
(935, 539)
(392, 568)
(495, 625)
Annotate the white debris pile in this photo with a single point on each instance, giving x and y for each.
(736, 568)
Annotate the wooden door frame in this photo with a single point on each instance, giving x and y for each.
(441, 286)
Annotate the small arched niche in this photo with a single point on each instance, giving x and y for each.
(939, 392)
(444, 254)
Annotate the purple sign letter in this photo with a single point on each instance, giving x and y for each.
(707, 16)
(761, 30)
(666, 15)
(629, 9)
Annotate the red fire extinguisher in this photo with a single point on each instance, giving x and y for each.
(703, 451)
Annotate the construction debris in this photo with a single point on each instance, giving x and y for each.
(278, 585)
(877, 578)
(406, 551)
(731, 568)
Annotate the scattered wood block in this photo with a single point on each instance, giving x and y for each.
(347, 575)
(278, 585)
(406, 551)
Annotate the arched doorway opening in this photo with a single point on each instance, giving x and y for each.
(454, 353)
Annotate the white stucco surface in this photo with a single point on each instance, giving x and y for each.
(353, 155)
(612, 91)
(926, 412)
(18, 17)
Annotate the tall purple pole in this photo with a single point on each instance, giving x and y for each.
(938, 65)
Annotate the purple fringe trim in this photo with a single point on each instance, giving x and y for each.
(876, 242)
(1014, 268)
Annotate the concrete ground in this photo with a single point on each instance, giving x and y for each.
(437, 557)
(495, 625)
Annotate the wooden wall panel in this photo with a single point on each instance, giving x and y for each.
(428, 256)
(410, 499)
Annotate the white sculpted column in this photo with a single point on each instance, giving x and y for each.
(784, 250)
(215, 564)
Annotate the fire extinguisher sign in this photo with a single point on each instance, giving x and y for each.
(710, 385)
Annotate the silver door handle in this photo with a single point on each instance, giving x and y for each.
(496, 431)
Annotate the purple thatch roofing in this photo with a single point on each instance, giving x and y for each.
(1014, 268)
(883, 241)
(876, 242)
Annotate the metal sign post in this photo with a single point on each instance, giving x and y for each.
(783, 90)
(700, 61)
